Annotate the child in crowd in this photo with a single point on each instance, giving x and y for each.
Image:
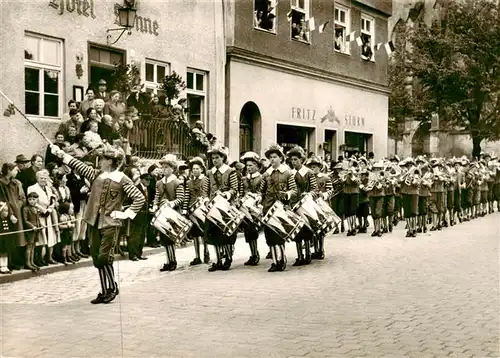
(7, 223)
(67, 226)
(92, 139)
(31, 217)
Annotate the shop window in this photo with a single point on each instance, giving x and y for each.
(42, 76)
(299, 19)
(342, 22)
(367, 38)
(196, 84)
(155, 73)
(264, 15)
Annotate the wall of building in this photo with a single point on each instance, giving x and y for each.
(190, 34)
(281, 97)
(319, 54)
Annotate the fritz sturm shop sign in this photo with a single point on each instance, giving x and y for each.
(307, 114)
(304, 114)
(82, 7)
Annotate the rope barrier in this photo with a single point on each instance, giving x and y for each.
(37, 228)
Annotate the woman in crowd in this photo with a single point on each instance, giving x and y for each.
(28, 176)
(115, 107)
(88, 103)
(50, 233)
(11, 192)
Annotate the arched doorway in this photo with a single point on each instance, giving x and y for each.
(249, 124)
(420, 142)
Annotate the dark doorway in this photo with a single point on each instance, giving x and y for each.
(330, 145)
(291, 136)
(249, 120)
(355, 142)
(101, 65)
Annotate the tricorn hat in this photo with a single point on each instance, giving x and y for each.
(275, 148)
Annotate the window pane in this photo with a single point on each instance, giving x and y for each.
(301, 4)
(199, 82)
(149, 72)
(51, 81)
(342, 16)
(51, 52)
(160, 73)
(31, 48)
(32, 103)
(336, 14)
(190, 80)
(104, 57)
(116, 58)
(51, 105)
(367, 23)
(31, 79)
(94, 54)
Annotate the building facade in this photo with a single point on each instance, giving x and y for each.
(290, 79)
(433, 138)
(53, 50)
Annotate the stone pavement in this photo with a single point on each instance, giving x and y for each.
(435, 295)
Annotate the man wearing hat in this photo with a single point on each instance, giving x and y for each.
(409, 192)
(196, 189)
(325, 190)
(306, 183)
(169, 189)
(251, 184)
(138, 226)
(337, 202)
(376, 193)
(351, 195)
(22, 162)
(224, 180)
(103, 214)
(277, 184)
(438, 199)
(102, 90)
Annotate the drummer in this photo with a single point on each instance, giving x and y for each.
(222, 180)
(169, 190)
(196, 188)
(325, 189)
(251, 184)
(306, 183)
(277, 184)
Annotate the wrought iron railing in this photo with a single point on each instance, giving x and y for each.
(152, 138)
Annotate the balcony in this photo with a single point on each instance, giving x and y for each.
(153, 138)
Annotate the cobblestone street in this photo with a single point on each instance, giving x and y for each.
(435, 295)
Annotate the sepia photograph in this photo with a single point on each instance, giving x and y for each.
(249, 178)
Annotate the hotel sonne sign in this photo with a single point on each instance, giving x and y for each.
(82, 7)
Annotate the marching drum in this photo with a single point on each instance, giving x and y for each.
(171, 224)
(198, 212)
(224, 215)
(328, 211)
(314, 216)
(252, 211)
(283, 222)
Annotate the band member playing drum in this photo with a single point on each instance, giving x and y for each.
(109, 188)
(306, 183)
(251, 184)
(222, 180)
(196, 187)
(325, 190)
(278, 184)
(169, 190)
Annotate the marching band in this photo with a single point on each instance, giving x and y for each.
(305, 201)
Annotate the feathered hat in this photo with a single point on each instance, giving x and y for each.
(250, 156)
(223, 151)
(170, 160)
(275, 148)
(196, 160)
(296, 152)
(314, 161)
